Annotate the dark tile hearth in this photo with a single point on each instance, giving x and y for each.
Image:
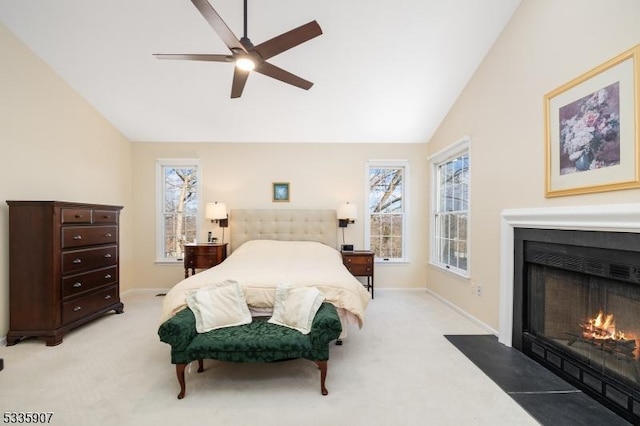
(547, 397)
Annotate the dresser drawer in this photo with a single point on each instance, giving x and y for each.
(358, 260)
(87, 259)
(202, 261)
(76, 215)
(77, 236)
(360, 269)
(81, 283)
(86, 305)
(105, 216)
(204, 249)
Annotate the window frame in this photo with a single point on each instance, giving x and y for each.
(398, 164)
(436, 160)
(160, 201)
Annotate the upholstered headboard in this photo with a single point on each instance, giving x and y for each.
(282, 224)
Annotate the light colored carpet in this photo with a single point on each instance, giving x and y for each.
(397, 370)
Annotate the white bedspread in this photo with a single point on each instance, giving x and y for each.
(260, 265)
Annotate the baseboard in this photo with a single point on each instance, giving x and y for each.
(3, 341)
(464, 313)
(405, 289)
(145, 290)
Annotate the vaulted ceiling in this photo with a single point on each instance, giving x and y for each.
(383, 71)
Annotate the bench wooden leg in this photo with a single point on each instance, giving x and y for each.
(180, 373)
(323, 375)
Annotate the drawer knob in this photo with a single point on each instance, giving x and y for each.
(108, 234)
(77, 237)
(107, 297)
(106, 277)
(77, 261)
(77, 308)
(107, 256)
(78, 216)
(77, 285)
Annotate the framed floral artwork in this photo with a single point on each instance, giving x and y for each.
(592, 130)
(281, 192)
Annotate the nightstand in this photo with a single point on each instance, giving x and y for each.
(203, 256)
(360, 264)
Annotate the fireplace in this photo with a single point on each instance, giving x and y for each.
(576, 310)
(557, 246)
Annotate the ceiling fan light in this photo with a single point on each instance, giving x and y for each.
(245, 64)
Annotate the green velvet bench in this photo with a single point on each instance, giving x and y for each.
(256, 342)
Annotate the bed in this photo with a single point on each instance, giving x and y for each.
(271, 247)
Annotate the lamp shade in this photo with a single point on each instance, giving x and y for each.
(216, 211)
(347, 211)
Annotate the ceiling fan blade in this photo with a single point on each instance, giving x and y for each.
(216, 22)
(195, 57)
(239, 80)
(288, 40)
(282, 75)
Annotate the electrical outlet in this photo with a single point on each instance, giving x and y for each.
(476, 289)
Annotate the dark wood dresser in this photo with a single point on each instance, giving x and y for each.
(63, 261)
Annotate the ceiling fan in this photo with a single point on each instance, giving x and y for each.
(245, 55)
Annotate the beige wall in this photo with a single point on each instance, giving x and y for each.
(320, 175)
(55, 146)
(547, 44)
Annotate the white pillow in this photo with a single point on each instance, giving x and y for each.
(219, 305)
(296, 307)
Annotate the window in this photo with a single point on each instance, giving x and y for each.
(450, 217)
(178, 187)
(386, 209)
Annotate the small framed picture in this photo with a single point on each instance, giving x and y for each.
(281, 192)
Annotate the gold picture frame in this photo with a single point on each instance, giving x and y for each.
(592, 130)
(281, 192)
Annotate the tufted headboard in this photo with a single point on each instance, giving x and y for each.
(280, 224)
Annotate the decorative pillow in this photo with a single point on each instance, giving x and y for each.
(296, 307)
(219, 305)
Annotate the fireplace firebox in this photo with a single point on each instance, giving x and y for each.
(577, 310)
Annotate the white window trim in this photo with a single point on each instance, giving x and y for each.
(405, 206)
(160, 162)
(448, 153)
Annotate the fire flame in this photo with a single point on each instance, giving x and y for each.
(603, 327)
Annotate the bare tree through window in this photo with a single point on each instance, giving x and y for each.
(386, 210)
(180, 208)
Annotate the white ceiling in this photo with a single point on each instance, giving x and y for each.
(384, 71)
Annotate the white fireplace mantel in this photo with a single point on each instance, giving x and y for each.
(605, 217)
